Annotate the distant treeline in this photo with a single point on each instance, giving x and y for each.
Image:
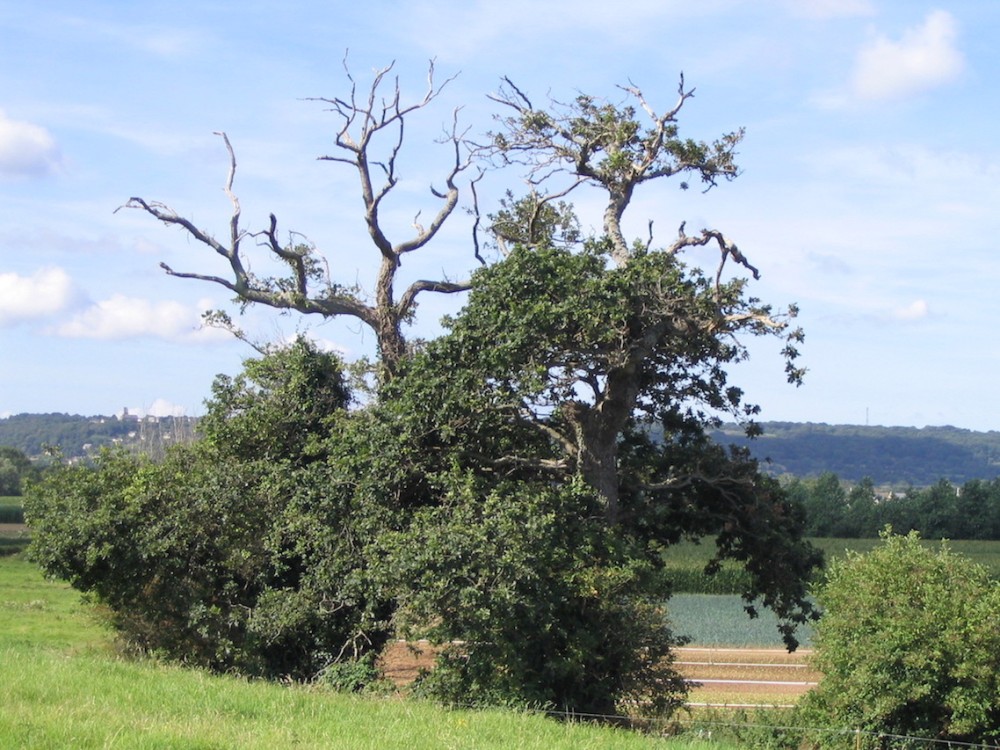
(897, 456)
(941, 511)
(75, 435)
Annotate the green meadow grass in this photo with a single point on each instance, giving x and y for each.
(62, 685)
(983, 552)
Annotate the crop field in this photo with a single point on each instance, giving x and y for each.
(13, 538)
(13, 533)
(10, 510)
(719, 620)
(686, 562)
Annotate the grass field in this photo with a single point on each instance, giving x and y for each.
(62, 685)
(687, 561)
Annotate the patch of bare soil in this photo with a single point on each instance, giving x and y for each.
(721, 676)
(402, 661)
(746, 676)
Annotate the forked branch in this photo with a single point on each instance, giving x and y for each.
(307, 286)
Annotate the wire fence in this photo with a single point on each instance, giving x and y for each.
(770, 735)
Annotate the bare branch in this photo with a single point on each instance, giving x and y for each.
(363, 114)
(543, 464)
(168, 216)
(234, 221)
(478, 218)
(569, 447)
(408, 300)
(728, 249)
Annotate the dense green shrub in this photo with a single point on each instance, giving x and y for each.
(232, 553)
(543, 605)
(908, 645)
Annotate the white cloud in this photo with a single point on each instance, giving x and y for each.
(47, 292)
(159, 408)
(163, 408)
(925, 57)
(916, 310)
(122, 317)
(26, 149)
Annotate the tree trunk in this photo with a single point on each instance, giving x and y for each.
(388, 327)
(597, 429)
(599, 468)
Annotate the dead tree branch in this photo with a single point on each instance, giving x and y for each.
(365, 115)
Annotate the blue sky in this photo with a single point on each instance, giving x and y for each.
(870, 192)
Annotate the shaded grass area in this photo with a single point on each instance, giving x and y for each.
(62, 685)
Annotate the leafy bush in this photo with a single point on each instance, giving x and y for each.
(909, 645)
(540, 605)
(234, 553)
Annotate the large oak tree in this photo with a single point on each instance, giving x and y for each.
(516, 482)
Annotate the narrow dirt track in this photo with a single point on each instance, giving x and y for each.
(746, 676)
(719, 676)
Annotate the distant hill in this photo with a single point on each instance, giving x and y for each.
(76, 435)
(889, 455)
